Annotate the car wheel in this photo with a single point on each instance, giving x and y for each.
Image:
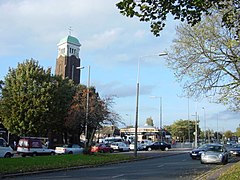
(23, 155)
(34, 154)
(149, 148)
(202, 162)
(52, 153)
(70, 152)
(224, 161)
(8, 155)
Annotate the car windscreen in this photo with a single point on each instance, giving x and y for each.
(215, 148)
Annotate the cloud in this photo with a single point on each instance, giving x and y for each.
(121, 90)
(102, 40)
(140, 34)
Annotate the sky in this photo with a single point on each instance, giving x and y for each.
(112, 45)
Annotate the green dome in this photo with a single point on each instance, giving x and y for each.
(69, 39)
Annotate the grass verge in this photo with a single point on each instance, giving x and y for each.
(29, 164)
(232, 173)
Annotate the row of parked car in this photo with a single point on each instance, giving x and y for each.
(215, 153)
(34, 147)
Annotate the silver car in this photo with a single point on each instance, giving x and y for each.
(215, 153)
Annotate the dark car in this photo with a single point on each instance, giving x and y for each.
(102, 148)
(235, 150)
(196, 153)
(157, 145)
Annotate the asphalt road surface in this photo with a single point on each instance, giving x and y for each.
(168, 165)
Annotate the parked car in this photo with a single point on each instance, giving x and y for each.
(33, 147)
(235, 150)
(69, 149)
(146, 142)
(215, 153)
(102, 148)
(196, 153)
(140, 146)
(158, 145)
(120, 146)
(5, 150)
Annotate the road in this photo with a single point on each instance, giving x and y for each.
(168, 165)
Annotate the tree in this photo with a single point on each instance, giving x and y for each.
(238, 132)
(33, 102)
(149, 121)
(75, 120)
(99, 113)
(228, 134)
(206, 58)
(179, 129)
(191, 11)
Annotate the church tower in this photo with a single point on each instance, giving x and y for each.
(68, 61)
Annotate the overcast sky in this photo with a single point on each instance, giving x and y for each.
(112, 45)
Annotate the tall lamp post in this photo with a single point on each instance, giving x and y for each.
(204, 119)
(87, 108)
(196, 130)
(79, 68)
(137, 102)
(189, 137)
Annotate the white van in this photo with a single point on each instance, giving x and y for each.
(112, 139)
(5, 150)
(32, 146)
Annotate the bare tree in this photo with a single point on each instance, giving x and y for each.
(206, 58)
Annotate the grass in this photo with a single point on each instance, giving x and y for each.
(232, 173)
(29, 164)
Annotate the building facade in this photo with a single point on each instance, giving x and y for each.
(68, 61)
(145, 132)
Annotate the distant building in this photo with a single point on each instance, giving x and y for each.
(68, 61)
(146, 132)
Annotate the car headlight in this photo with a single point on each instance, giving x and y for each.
(220, 155)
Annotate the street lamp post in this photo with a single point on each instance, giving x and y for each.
(79, 68)
(196, 130)
(136, 119)
(204, 119)
(87, 108)
(137, 102)
(189, 137)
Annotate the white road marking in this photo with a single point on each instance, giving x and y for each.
(120, 175)
(162, 165)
